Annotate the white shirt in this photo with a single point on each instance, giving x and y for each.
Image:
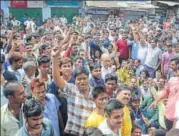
(27, 23)
(141, 54)
(33, 27)
(105, 71)
(153, 57)
(177, 114)
(15, 22)
(104, 128)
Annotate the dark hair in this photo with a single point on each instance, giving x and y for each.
(36, 83)
(175, 58)
(78, 58)
(112, 104)
(32, 108)
(97, 91)
(9, 88)
(110, 76)
(94, 66)
(43, 59)
(14, 59)
(81, 70)
(43, 47)
(135, 127)
(122, 87)
(135, 98)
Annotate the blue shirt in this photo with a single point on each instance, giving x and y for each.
(134, 50)
(51, 112)
(47, 129)
(96, 82)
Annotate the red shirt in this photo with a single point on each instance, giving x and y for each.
(123, 48)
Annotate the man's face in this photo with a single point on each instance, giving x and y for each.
(161, 83)
(45, 68)
(137, 132)
(136, 63)
(47, 50)
(110, 86)
(18, 64)
(35, 122)
(31, 72)
(74, 50)
(153, 43)
(66, 69)
(158, 75)
(39, 94)
(133, 83)
(135, 104)
(173, 65)
(169, 48)
(101, 100)
(19, 96)
(82, 82)
(82, 54)
(78, 63)
(96, 73)
(29, 48)
(106, 61)
(116, 118)
(124, 96)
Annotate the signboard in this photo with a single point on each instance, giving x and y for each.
(73, 3)
(98, 11)
(18, 3)
(35, 4)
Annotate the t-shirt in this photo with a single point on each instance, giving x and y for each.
(123, 48)
(94, 120)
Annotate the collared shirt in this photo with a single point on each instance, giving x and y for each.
(105, 71)
(141, 54)
(104, 128)
(96, 82)
(153, 57)
(134, 50)
(9, 124)
(19, 73)
(51, 112)
(79, 109)
(47, 130)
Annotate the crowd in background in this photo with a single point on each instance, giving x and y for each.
(89, 77)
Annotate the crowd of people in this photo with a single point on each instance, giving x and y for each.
(90, 77)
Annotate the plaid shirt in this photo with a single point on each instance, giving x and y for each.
(79, 109)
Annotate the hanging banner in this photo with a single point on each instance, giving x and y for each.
(35, 4)
(71, 3)
(18, 3)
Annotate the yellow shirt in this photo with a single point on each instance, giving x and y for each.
(94, 120)
(127, 123)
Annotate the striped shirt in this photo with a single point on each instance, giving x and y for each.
(79, 109)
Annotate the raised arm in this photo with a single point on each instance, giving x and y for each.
(55, 68)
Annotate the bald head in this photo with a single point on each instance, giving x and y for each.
(105, 60)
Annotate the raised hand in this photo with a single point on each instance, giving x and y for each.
(55, 51)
